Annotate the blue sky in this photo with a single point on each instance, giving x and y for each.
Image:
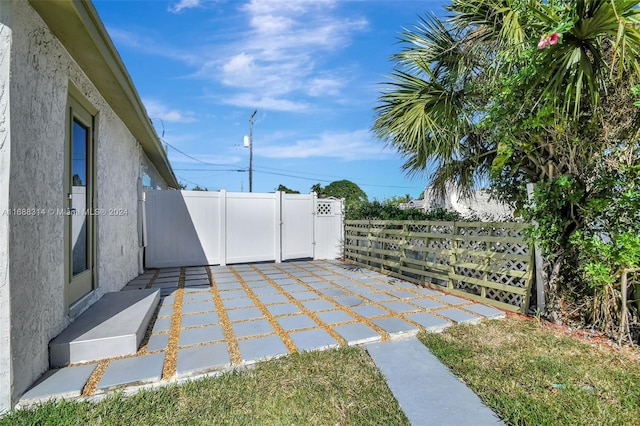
(312, 69)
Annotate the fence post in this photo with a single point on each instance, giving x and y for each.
(539, 261)
(487, 264)
(314, 218)
(277, 255)
(453, 256)
(222, 233)
(369, 242)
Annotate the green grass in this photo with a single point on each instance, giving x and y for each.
(530, 374)
(332, 387)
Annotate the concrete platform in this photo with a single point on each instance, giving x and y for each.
(112, 327)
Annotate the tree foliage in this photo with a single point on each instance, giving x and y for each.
(516, 91)
(286, 190)
(376, 210)
(341, 189)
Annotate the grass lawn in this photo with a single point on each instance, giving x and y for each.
(531, 374)
(332, 387)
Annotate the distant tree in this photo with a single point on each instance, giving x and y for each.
(396, 200)
(76, 180)
(317, 188)
(341, 189)
(286, 190)
(182, 186)
(198, 188)
(376, 210)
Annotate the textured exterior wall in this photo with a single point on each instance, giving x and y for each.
(41, 70)
(5, 145)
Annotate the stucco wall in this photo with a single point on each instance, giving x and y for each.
(41, 70)
(5, 145)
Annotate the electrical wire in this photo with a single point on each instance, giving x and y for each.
(273, 173)
(196, 159)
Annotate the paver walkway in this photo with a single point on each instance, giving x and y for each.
(220, 317)
(425, 389)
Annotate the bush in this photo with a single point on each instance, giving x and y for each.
(376, 210)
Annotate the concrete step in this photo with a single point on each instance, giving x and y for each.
(114, 326)
(425, 389)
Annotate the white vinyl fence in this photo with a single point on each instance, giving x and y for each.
(189, 228)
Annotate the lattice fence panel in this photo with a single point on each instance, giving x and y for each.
(490, 262)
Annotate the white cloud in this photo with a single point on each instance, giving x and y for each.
(184, 4)
(148, 44)
(270, 24)
(157, 109)
(325, 86)
(284, 52)
(249, 100)
(348, 146)
(280, 57)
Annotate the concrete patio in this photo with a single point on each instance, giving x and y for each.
(212, 319)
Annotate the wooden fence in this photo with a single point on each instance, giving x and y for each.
(488, 262)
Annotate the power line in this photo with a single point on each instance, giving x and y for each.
(297, 171)
(301, 177)
(196, 159)
(189, 181)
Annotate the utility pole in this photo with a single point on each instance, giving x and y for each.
(251, 150)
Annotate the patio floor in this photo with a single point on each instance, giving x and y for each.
(215, 318)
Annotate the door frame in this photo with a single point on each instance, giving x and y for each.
(79, 109)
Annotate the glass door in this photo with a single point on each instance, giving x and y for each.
(79, 195)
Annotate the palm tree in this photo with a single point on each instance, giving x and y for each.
(459, 81)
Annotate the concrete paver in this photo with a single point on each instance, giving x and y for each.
(197, 297)
(485, 311)
(356, 334)
(400, 307)
(192, 308)
(202, 358)
(349, 301)
(237, 303)
(196, 282)
(141, 369)
(313, 340)
(459, 317)
(61, 383)
(427, 303)
(369, 311)
(334, 317)
(254, 350)
(196, 336)
(395, 327)
(244, 314)
(296, 322)
(252, 328)
(429, 322)
(158, 342)
(199, 319)
(285, 309)
(317, 305)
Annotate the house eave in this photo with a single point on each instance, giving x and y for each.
(78, 27)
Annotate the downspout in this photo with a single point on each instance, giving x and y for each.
(141, 211)
(6, 364)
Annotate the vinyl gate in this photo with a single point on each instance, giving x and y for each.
(188, 228)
